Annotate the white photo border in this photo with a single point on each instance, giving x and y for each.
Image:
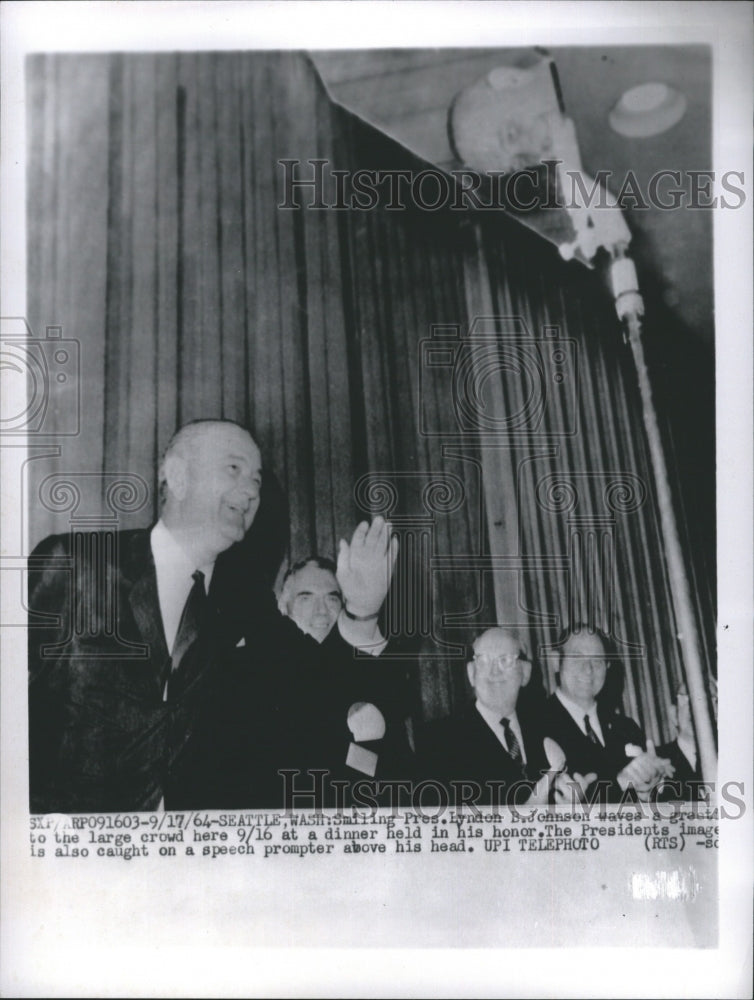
(68, 955)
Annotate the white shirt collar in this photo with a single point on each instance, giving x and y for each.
(492, 718)
(168, 549)
(577, 713)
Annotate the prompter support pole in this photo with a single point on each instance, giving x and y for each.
(630, 309)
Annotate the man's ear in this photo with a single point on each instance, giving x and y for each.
(471, 672)
(526, 673)
(284, 597)
(176, 476)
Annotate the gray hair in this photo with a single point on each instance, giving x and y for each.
(321, 562)
(183, 442)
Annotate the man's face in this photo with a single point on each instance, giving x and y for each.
(223, 477)
(498, 670)
(583, 668)
(314, 602)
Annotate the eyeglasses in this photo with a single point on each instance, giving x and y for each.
(504, 661)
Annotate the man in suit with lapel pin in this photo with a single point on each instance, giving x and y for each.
(142, 624)
(496, 746)
(598, 737)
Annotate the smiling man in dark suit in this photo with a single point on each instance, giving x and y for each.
(600, 738)
(142, 627)
(115, 686)
(495, 747)
(364, 703)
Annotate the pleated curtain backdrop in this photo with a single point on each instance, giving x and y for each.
(156, 241)
(579, 483)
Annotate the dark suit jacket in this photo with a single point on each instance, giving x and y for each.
(384, 682)
(282, 705)
(463, 748)
(606, 762)
(101, 738)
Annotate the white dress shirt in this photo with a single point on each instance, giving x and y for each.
(175, 578)
(577, 713)
(688, 749)
(492, 718)
(175, 572)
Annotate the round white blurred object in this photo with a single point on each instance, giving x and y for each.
(366, 722)
(646, 110)
(554, 753)
(506, 77)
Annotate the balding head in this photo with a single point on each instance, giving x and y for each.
(499, 668)
(186, 441)
(211, 478)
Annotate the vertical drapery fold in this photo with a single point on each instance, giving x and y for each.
(157, 241)
(600, 514)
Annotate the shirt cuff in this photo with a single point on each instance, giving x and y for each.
(364, 636)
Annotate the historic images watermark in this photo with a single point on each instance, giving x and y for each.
(41, 411)
(433, 799)
(467, 366)
(315, 184)
(40, 378)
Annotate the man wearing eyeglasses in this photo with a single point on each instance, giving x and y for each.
(493, 752)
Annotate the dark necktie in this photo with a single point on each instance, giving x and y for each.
(191, 621)
(514, 748)
(591, 735)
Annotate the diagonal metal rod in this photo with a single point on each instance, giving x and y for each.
(679, 588)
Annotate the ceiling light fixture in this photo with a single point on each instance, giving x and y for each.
(646, 110)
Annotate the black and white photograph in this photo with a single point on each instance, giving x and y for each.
(376, 442)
